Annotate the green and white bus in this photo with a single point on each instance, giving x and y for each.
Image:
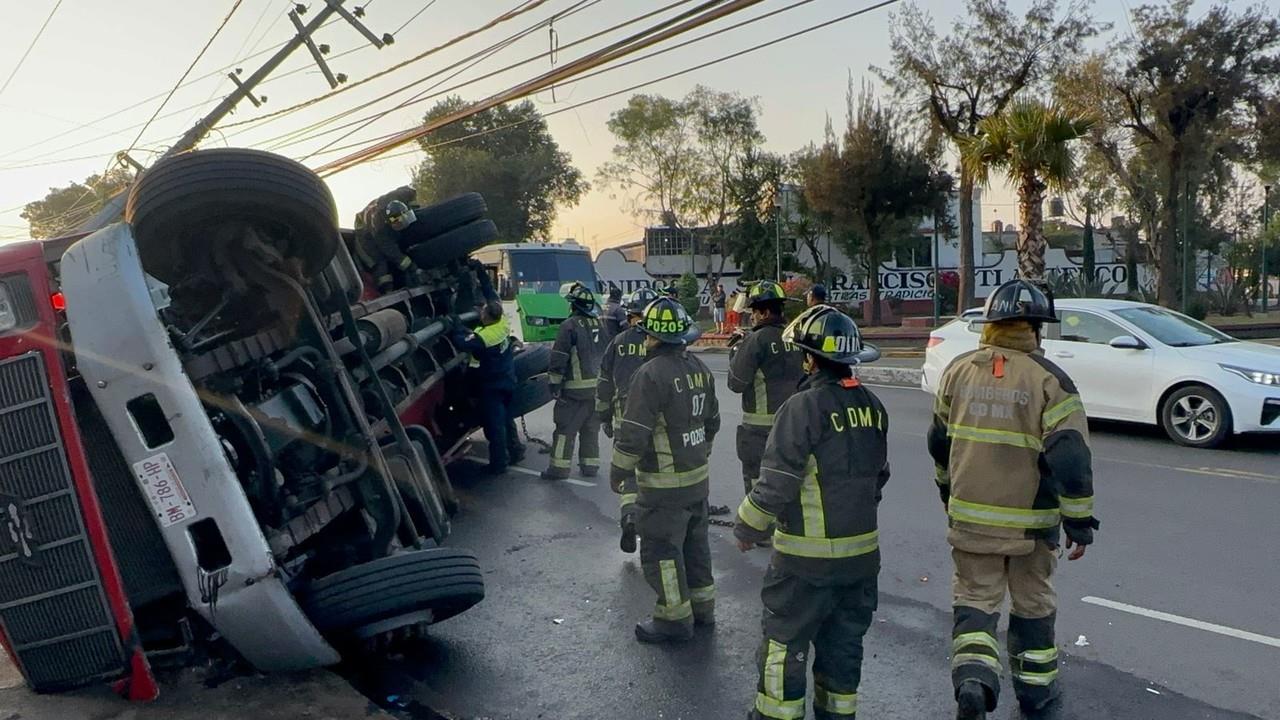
(528, 278)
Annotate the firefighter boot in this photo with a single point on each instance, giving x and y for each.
(971, 701)
(628, 542)
(654, 632)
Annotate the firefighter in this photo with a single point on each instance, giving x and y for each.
(622, 358)
(614, 316)
(825, 466)
(493, 370)
(575, 367)
(1010, 443)
(765, 369)
(380, 248)
(665, 438)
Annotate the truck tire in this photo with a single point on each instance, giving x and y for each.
(444, 581)
(532, 360)
(455, 212)
(453, 245)
(532, 389)
(177, 203)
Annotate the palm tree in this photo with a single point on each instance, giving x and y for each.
(1031, 143)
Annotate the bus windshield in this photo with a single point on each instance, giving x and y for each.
(544, 271)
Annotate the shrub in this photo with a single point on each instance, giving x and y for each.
(687, 287)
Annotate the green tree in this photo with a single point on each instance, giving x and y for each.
(1031, 143)
(974, 71)
(687, 289)
(1176, 103)
(506, 154)
(876, 183)
(752, 232)
(64, 208)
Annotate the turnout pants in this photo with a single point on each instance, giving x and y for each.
(499, 427)
(830, 618)
(627, 492)
(979, 589)
(751, 441)
(675, 553)
(576, 421)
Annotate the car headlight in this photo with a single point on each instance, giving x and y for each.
(1261, 377)
(538, 321)
(8, 317)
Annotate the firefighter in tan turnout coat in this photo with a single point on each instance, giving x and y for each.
(1010, 442)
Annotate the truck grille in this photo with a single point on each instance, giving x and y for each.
(52, 605)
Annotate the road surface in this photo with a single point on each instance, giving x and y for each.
(1177, 601)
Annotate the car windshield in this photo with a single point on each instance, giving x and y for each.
(543, 272)
(1172, 328)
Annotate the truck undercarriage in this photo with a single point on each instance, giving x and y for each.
(216, 439)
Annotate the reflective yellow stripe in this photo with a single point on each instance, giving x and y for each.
(833, 702)
(575, 365)
(1039, 656)
(942, 408)
(662, 446)
(941, 476)
(601, 404)
(779, 709)
(759, 419)
(815, 523)
(975, 658)
(761, 393)
(555, 378)
(1041, 679)
(406, 262)
(703, 594)
(558, 459)
(964, 640)
(1060, 412)
(826, 548)
(994, 437)
(624, 460)
(627, 499)
(671, 606)
(751, 514)
(589, 383)
(590, 461)
(1007, 517)
(774, 668)
(1077, 508)
(668, 481)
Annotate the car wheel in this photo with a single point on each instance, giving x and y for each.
(1196, 416)
(177, 205)
(453, 245)
(452, 213)
(429, 585)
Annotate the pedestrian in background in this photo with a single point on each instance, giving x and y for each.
(817, 295)
(825, 465)
(1010, 441)
(665, 438)
(718, 300)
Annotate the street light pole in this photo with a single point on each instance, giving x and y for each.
(1266, 221)
(1186, 246)
(937, 297)
(777, 232)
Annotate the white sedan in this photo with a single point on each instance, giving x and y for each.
(1143, 363)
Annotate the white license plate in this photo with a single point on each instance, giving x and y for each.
(163, 488)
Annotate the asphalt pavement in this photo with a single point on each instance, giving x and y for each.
(1170, 616)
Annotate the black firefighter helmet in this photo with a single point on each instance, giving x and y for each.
(1019, 300)
(580, 298)
(830, 334)
(668, 321)
(637, 301)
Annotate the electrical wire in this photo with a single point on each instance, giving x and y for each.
(423, 96)
(519, 10)
(639, 86)
(22, 60)
(409, 22)
(235, 6)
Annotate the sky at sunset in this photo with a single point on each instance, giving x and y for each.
(101, 69)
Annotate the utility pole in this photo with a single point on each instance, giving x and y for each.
(244, 89)
(1266, 221)
(937, 297)
(1186, 245)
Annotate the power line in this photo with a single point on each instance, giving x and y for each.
(423, 96)
(185, 73)
(22, 60)
(409, 22)
(633, 88)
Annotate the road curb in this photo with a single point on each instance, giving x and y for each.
(899, 377)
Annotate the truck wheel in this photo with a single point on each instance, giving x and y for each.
(452, 213)
(177, 204)
(532, 390)
(437, 583)
(532, 360)
(453, 245)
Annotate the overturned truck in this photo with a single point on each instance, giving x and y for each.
(214, 440)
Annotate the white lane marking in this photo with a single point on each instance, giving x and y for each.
(1184, 621)
(535, 473)
(1215, 472)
